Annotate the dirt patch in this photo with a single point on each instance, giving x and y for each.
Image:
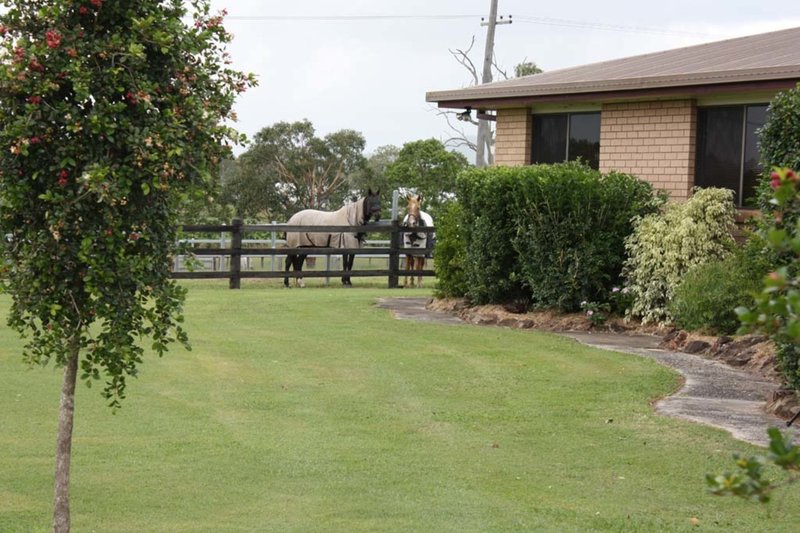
(752, 353)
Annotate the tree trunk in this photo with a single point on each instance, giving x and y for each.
(61, 520)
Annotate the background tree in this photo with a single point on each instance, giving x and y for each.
(526, 68)
(288, 168)
(109, 113)
(428, 168)
(373, 173)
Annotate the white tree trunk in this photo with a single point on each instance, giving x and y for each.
(61, 519)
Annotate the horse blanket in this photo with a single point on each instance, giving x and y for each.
(351, 214)
(423, 241)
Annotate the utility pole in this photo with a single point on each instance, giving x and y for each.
(483, 144)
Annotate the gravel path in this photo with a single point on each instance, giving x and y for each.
(713, 393)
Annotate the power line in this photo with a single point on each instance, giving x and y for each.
(609, 27)
(344, 18)
(525, 19)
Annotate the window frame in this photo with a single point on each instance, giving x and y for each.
(739, 190)
(568, 117)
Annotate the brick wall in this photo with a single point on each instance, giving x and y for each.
(513, 137)
(652, 140)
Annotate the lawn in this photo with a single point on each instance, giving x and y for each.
(312, 410)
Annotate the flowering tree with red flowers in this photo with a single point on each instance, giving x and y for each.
(110, 114)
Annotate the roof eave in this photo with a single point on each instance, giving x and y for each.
(460, 100)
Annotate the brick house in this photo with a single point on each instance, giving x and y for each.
(677, 118)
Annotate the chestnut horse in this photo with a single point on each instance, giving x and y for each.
(415, 217)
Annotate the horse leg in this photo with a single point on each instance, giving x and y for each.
(298, 267)
(347, 266)
(420, 266)
(409, 266)
(289, 261)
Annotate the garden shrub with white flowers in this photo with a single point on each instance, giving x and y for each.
(665, 246)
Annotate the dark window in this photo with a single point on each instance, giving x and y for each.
(566, 137)
(584, 138)
(727, 150)
(549, 138)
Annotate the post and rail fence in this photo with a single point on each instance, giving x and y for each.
(237, 230)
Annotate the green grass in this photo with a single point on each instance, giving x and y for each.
(312, 410)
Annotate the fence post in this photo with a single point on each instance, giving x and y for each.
(236, 253)
(394, 255)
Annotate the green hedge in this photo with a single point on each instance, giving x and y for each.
(707, 298)
(547, 235)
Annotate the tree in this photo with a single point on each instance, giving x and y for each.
(373, 173)
(483, 154)
(289, 168)
(428, 168)
(110, 113)
(526, 68)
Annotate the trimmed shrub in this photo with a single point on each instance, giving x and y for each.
(707, 298)
(491, 268)
(547, 235)
(450, 252)
(571, 228)
(779, 139)
(664, 247)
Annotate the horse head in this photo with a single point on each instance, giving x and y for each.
(372, 206)
(413, 210)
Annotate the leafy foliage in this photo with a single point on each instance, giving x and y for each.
(665, 246)
(571, 224)
(710, 293)
(779, 140)
(749, 481)
(566, 225)
(491, 268)
(451, 252)
(427, 168)
(110, 112)
(373, 173)
(288, 168)
(777, 307)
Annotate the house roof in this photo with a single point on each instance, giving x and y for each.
(767, 60)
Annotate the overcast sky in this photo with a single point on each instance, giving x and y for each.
(372, 74)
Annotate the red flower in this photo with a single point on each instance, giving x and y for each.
(3, 29)
(36, 100)
(109, 232)
(62, 181)
(134, 236)
(775, 180)
(97, 3)
(35, 140)
(53, 38)
(132, 99)
(83, 10)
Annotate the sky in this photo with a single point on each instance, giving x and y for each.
(367, 64)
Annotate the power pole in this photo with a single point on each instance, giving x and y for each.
(483, 144)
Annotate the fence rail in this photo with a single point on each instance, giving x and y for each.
(236, 250)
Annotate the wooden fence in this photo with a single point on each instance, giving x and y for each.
(238, 230)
